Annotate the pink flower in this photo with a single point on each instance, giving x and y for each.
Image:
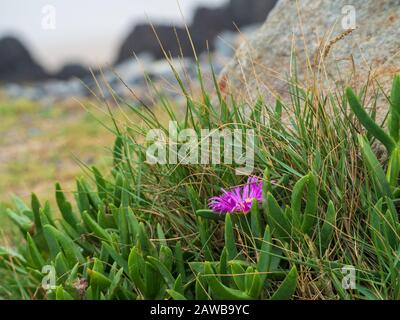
(238, 199)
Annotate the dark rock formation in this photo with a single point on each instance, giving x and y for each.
(144, 40)
(72, 71)
(18, 66)
(247, 12)
(207, 24)
(16, 63)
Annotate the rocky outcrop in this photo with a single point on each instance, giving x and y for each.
(248, 12)
(143, 40)
(16, 63)
(207, 24)
(18, 66)
(70, 71)
(327, 49)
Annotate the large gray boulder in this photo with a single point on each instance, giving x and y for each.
(327, 50)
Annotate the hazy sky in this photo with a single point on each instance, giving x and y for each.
(88, 31)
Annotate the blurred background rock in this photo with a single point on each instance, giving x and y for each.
(46, 75)
(213, 30)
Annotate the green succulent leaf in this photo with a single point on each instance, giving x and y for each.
(175, 295)
(221, 291)
(276, 218)
(209, 214)
(287, 287)
(230, 242)
(93, 226)
(368, 123)
(375, 167)
(394, 120)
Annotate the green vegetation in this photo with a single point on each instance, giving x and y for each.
(144, 231)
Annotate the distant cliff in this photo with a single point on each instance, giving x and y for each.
(206, 25)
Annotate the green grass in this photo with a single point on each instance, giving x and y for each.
(142, 231)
